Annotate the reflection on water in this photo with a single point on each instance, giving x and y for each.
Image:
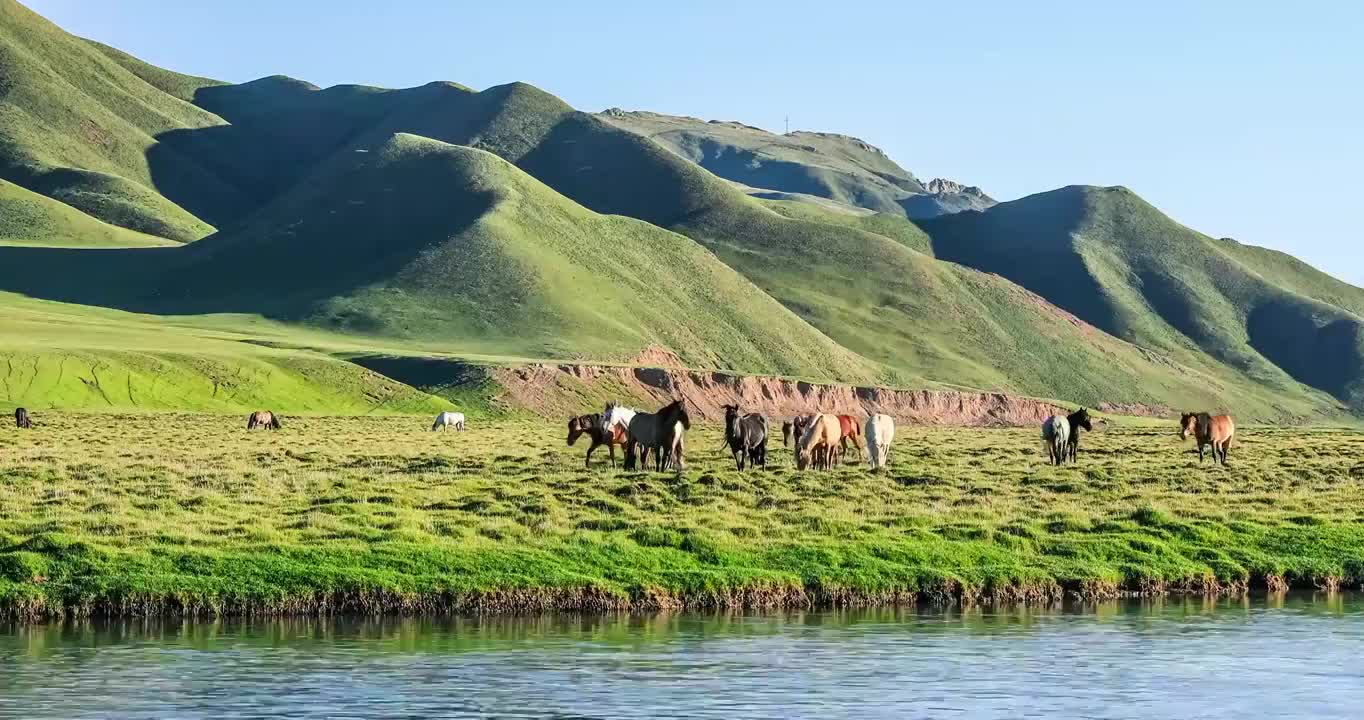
(1294, 657)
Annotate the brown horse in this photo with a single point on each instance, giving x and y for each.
(262, 419)
(850, 429)
(22, 420)
(1214, 430)
(591, 426)
(818, 445)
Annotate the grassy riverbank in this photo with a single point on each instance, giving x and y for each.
(168, 513)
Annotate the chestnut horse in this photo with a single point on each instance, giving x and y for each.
(592, 426)
(850, 429)
(1214, 430)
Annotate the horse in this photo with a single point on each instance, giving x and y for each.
(746, 436)
(850, 430)
(819, 443)
(1078, 420)
(616, 414)
(660, 432)
(449, 420)
(1056, 436)
(880, 434)
(22, 420)
(1215, 430)
(262, 419)
(591, 426)
(794, 428)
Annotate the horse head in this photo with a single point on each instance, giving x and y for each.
(1188, 425)
(1080, 419)
(576, 427)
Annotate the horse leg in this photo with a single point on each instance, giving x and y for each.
(587, 463)
(611, 450)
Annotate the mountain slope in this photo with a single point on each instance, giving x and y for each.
(414, 238)
(27, 218)
(1117, 262)
(80, 128)
(784, 167)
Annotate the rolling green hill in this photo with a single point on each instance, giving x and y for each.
(504, 223)
(1117, 262)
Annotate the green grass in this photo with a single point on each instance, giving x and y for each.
(167, 513)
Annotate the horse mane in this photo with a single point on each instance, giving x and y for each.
(676, 411)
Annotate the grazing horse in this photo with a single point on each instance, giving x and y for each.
(1077, 420)
(1056, 436)
(880, 434)
(22, 420)
(449, 420)
(262, 419)
(746, 436)
(1214, 430)
(850, 429)
(794, 428)
(591, 426)
(819, 443)
(661, 433)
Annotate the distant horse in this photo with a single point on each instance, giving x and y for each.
(850, 429)
(1056, 436)
(591, 426)
(1214, 430)
(449, 419)
(880, 434)
(262, 419)
(794, 428)
(660, 433)
(1077, 420)
(22, 420)
(746, 436)
(818, 445)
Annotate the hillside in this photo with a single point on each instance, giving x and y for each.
(801, 165)
(80, 128)
(1117, 262)
(503, 223)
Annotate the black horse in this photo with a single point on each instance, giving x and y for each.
(1078, 420)
(22, 419)
(746, 436)
(792, 429)
(660, 433)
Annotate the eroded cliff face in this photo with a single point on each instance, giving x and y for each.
(562, 390)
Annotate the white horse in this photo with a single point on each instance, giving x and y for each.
(1056, 437)
(447, 420)
(880, 433)
(615, 414)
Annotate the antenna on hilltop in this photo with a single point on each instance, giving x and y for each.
(788, 124)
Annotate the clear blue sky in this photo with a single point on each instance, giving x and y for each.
(1240, 119)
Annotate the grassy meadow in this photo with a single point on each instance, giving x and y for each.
(165, 513)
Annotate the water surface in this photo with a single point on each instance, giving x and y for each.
(1286, 657)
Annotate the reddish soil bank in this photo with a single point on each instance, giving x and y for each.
(561, 390)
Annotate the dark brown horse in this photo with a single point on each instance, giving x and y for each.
(1214, 430)
(794, 428)
(262, 419)
(591, 426)
(746, 436)
(851, 430)
(21, 419)
(1079, 420)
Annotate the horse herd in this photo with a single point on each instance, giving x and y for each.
(820, 440)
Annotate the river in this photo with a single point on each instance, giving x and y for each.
(1297, 656)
